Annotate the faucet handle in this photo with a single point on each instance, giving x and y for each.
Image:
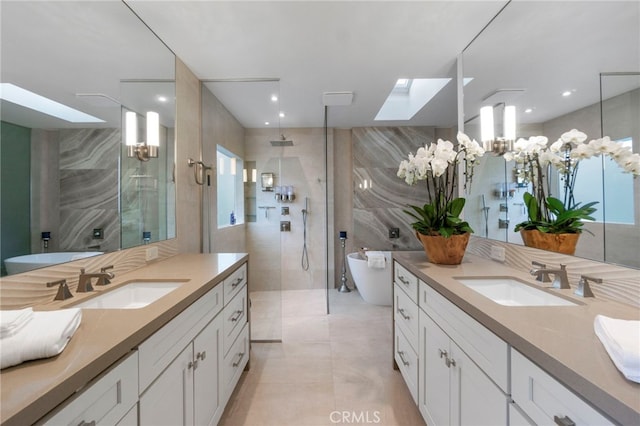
(541, 276)
(584, 289)
(63, 289)
(105, 278)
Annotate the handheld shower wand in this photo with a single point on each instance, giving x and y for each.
(304, 262)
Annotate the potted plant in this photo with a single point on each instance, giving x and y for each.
(438, 224)
(553, 223)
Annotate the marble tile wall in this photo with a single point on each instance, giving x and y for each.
(378, 205)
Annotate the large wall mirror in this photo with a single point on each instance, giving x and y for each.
(70, 185)
(529, 56)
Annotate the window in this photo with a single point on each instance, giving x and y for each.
(230, 188)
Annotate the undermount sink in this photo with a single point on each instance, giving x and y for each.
(509, 291)
(134, 295)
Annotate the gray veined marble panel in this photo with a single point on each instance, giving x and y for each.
(89, 148)
(385, 189)
(77, 229)
(371, 229)
(89, 189)
(385, 147)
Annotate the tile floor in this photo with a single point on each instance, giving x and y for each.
(329, 369)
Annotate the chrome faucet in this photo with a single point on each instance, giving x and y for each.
(63, 289)
(104, 277)
(542, 276)
(560, 278)
(584, 289)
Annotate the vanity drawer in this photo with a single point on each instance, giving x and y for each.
(544, 399)
(157, 352)
(405, 314)
(486, 349)
(235, 317)
(406, 281)
(407, 360)
(106, 401)
(234, 282)
(234, 363)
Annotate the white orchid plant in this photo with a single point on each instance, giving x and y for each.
(437, 164)
(535, 161)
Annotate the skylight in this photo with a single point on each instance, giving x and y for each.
(409, 96)
(19, 96)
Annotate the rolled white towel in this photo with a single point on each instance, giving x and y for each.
(46, 335)
(376, 259)
(621, 339)
(13, 321)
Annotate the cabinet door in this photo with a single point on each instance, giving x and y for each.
(207, 383)
(475, 399)
(433, 378)
(169, 400)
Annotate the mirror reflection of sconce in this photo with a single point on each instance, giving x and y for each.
(267, 181)
(146, 149)
(491, 143)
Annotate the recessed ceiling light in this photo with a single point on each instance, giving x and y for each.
(19, 96)
(274, 98)
(281, 114)
(162, 98)
(566, 93)
(528, 110)
(266, 123)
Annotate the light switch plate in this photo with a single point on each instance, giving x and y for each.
(151, 253)
(498, 253)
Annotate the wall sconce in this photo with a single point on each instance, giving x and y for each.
(499, 145)
(146, 149)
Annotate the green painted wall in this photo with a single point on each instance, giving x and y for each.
(15, 165)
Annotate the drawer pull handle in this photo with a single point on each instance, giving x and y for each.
(237, 363)
(201, 355)
(443, 354)
(91, 423)
(565, 421)
(404, 361)
(192, 364)
(401, 312)
(450, 362)
(403, 280)
(238, 315)
(236, 282)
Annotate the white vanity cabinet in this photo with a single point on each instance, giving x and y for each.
(405, 316)
(184, 379)
(453, 390)
(455, 368)
(545, 400)
(108, 400)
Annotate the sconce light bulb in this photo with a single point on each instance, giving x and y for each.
(131, 128)
(153, 129)
(486, 124)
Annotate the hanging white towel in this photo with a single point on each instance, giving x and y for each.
(13, 321)
(376, 259)
(621, 339)
(46, 335)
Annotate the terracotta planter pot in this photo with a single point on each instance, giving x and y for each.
(560, 243)
(444, 251)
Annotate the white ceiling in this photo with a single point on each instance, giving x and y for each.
(60, 49)
(321, 46)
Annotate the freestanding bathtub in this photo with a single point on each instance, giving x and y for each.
(374, 284)
(28, 262)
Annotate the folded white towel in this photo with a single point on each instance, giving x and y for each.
(13, 321)
(621, 339)
(46, 335)
(376, 259)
